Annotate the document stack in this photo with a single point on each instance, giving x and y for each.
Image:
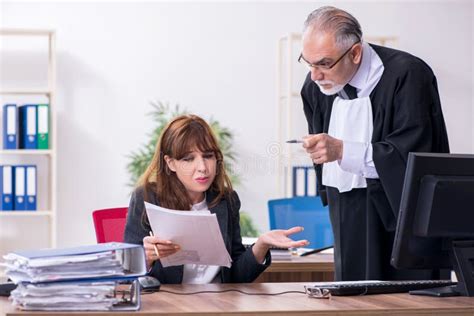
(98, 277)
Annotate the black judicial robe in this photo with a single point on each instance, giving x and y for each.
(407, 117)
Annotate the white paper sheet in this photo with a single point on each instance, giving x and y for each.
(197, 233)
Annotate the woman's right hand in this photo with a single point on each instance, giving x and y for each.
(165, 248)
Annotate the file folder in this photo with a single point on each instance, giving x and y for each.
(19, 179)
(82, 295)
(10, 126)
(30, 196)
(28, 131)
(43, 126)
(131, 257)
(6, 188)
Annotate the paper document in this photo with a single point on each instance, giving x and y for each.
(197, 233)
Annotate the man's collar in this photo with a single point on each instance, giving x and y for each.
(359, 80)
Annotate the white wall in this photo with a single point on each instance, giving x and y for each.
(216, 60)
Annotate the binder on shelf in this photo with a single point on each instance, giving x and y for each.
(6, 188)
(30, 188)
(10, 126)
(43, 126)
(28, 131)
(19, 180)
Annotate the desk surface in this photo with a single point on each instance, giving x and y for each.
(234, 303)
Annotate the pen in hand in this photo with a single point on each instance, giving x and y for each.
(154, 246)
(294, 141)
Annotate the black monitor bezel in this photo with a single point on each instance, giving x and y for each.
(435, 252)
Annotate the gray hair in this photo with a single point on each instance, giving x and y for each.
(346, 28)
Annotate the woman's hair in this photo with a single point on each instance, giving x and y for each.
(182, 135)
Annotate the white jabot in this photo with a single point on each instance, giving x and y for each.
(352, 122)
(200, 273)
(369, 72)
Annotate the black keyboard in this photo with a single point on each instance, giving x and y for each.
(373, 287)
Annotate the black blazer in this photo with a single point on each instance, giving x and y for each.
(245, 267)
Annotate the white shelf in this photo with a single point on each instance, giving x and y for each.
(26, 92)
(26, 32)
(49, 204)
(33, 152)
(25, 213)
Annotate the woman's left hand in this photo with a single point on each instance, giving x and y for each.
(277, 238)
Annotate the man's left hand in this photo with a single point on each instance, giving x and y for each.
(323, 148)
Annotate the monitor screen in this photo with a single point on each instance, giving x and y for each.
(436, 208)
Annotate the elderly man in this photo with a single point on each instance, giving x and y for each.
(367, 107)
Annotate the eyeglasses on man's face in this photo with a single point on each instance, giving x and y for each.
(323, 64)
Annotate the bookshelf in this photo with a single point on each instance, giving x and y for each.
(291, 122)
(45, 159)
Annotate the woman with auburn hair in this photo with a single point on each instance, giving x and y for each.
(187, 173)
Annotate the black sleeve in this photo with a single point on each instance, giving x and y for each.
(417, 126)
(315, 126)
(135, 228)
(245, 267)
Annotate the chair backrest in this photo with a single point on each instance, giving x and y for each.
(308, 212)
(109, 224)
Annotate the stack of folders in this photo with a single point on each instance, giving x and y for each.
(26, 126)
(97, 277)
(18, 188)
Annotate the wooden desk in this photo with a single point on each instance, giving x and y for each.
(313, 268)
(234, 303)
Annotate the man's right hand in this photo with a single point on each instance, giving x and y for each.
(323, 148)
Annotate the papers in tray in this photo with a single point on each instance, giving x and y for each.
(95, 261)
(280, 254)
(197, 233)
(277, 253)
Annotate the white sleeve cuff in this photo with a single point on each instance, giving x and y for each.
(369, 170)
(357, 159)
(353, 157)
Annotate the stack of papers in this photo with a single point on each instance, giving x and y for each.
(82, 278)
(21, 269)
(65, 296)
(280, 254)
(196, 232)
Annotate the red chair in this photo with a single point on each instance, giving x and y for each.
(109, 224)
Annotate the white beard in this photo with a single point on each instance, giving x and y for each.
(335, 87)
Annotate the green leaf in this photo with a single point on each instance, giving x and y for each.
(247, 228)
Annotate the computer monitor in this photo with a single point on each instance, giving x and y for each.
(435, 226)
